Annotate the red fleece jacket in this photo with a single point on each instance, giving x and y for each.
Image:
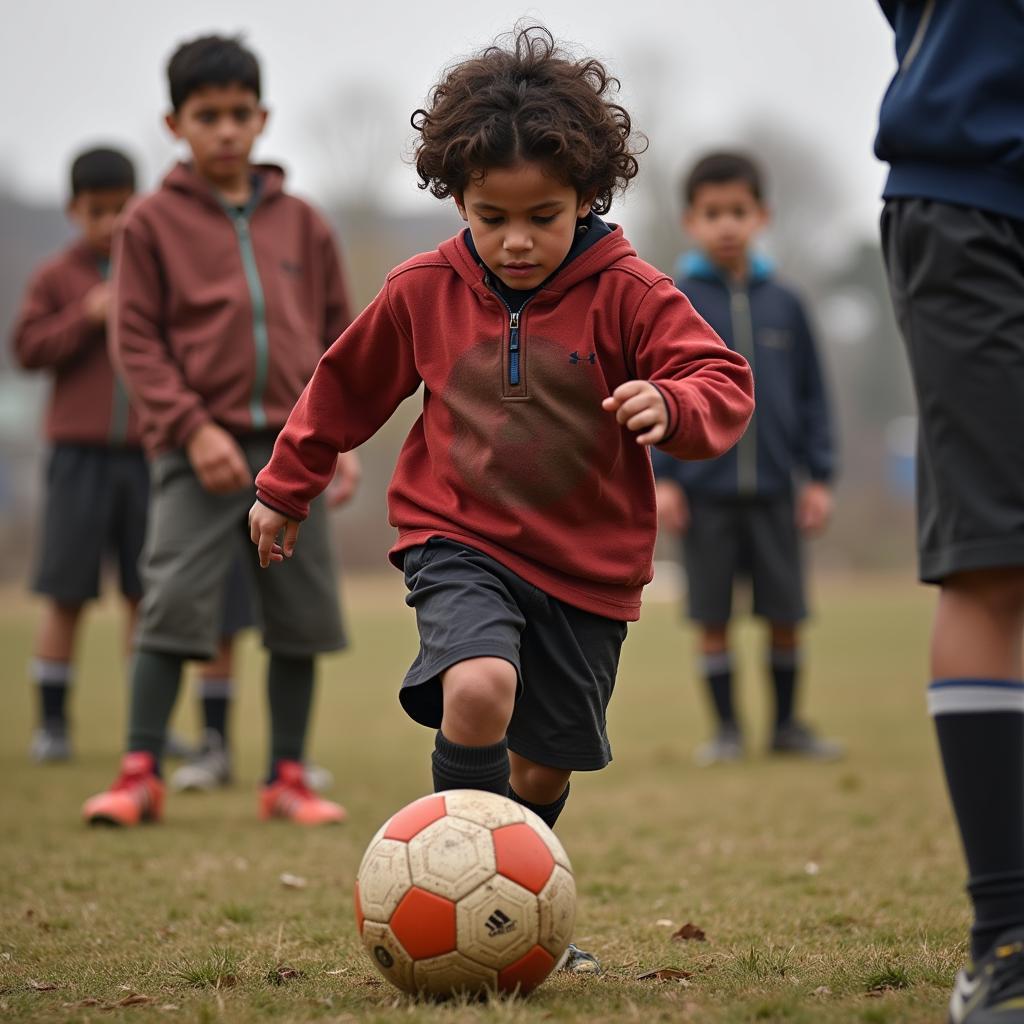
(535, 474)
(52, 333)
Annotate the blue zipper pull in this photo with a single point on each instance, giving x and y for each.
(513, 348)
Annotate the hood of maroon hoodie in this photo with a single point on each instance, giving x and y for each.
(513, 454)
(187, 330)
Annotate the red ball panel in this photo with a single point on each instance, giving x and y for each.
(424, 924)
(415, 818)
(527, 972)
(522, 856)
(360, 920)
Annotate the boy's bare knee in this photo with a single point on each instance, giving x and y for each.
(479, 696)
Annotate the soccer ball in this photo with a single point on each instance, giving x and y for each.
(465, 891)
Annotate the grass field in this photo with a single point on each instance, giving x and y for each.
(828, 893)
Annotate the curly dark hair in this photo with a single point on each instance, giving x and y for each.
(526, 98)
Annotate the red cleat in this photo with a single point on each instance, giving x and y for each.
(290, 798)
(136, 795)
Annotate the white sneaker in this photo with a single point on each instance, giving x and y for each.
(209, 769)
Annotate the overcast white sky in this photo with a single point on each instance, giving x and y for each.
(74, 72)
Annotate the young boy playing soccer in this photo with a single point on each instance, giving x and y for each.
(227, 290)
(552, 357)
(953, 239)
(737, 513)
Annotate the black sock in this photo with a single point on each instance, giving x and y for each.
(156, 677)
(548, 813)
(718, 673)
(290, 692)
(980, 727)
(458, 767)
(215, 694)
(785, 663)
(52, 679)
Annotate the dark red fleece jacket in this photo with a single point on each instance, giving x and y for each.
(535, 473)
(219, 315)
(88, 405)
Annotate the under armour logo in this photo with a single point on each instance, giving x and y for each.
(499, 923)
(576, 359)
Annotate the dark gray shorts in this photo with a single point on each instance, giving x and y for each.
(956, 275)
(95, 513)
(753, 538)
(193, 539)
(470, 606)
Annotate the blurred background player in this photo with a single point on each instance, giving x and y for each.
(738, 514)
(523, 495)
(953, 240)
(227, 292)
(96, 476)
(97, 481)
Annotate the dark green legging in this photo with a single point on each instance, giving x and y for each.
(156, 677)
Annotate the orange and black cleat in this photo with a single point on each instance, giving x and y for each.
(137, 794)
(289, 797)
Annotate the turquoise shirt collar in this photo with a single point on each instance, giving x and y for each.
(695, 263)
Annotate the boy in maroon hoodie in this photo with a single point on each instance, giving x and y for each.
(226, 292)
(551, 357)
(96, 478)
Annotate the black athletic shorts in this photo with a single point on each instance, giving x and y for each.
(752, 538)
(956, 275)
(470, 606)
(94, 513)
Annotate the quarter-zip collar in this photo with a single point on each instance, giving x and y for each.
(593, 236)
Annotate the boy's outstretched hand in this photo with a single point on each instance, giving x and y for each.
(638, 405)
(264, 526)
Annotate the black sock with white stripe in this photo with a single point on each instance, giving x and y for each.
(980, 727)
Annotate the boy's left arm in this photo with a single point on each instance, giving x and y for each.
(337, 316)
(707, 389)
(817, 454)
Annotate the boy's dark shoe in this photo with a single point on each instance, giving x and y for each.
(578, 961)
(797, 738)
(992, 990)
(50, 742)
(725, 746)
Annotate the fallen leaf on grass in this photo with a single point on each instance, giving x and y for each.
(690, 932)
(135, 999)
(170, 1007)
(279, 975)
(41, 986)
(293, 881)
(812, 868)
(822, 990)
(665, 922)
(665, 974)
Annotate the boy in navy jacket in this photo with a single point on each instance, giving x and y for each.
(740, 514)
